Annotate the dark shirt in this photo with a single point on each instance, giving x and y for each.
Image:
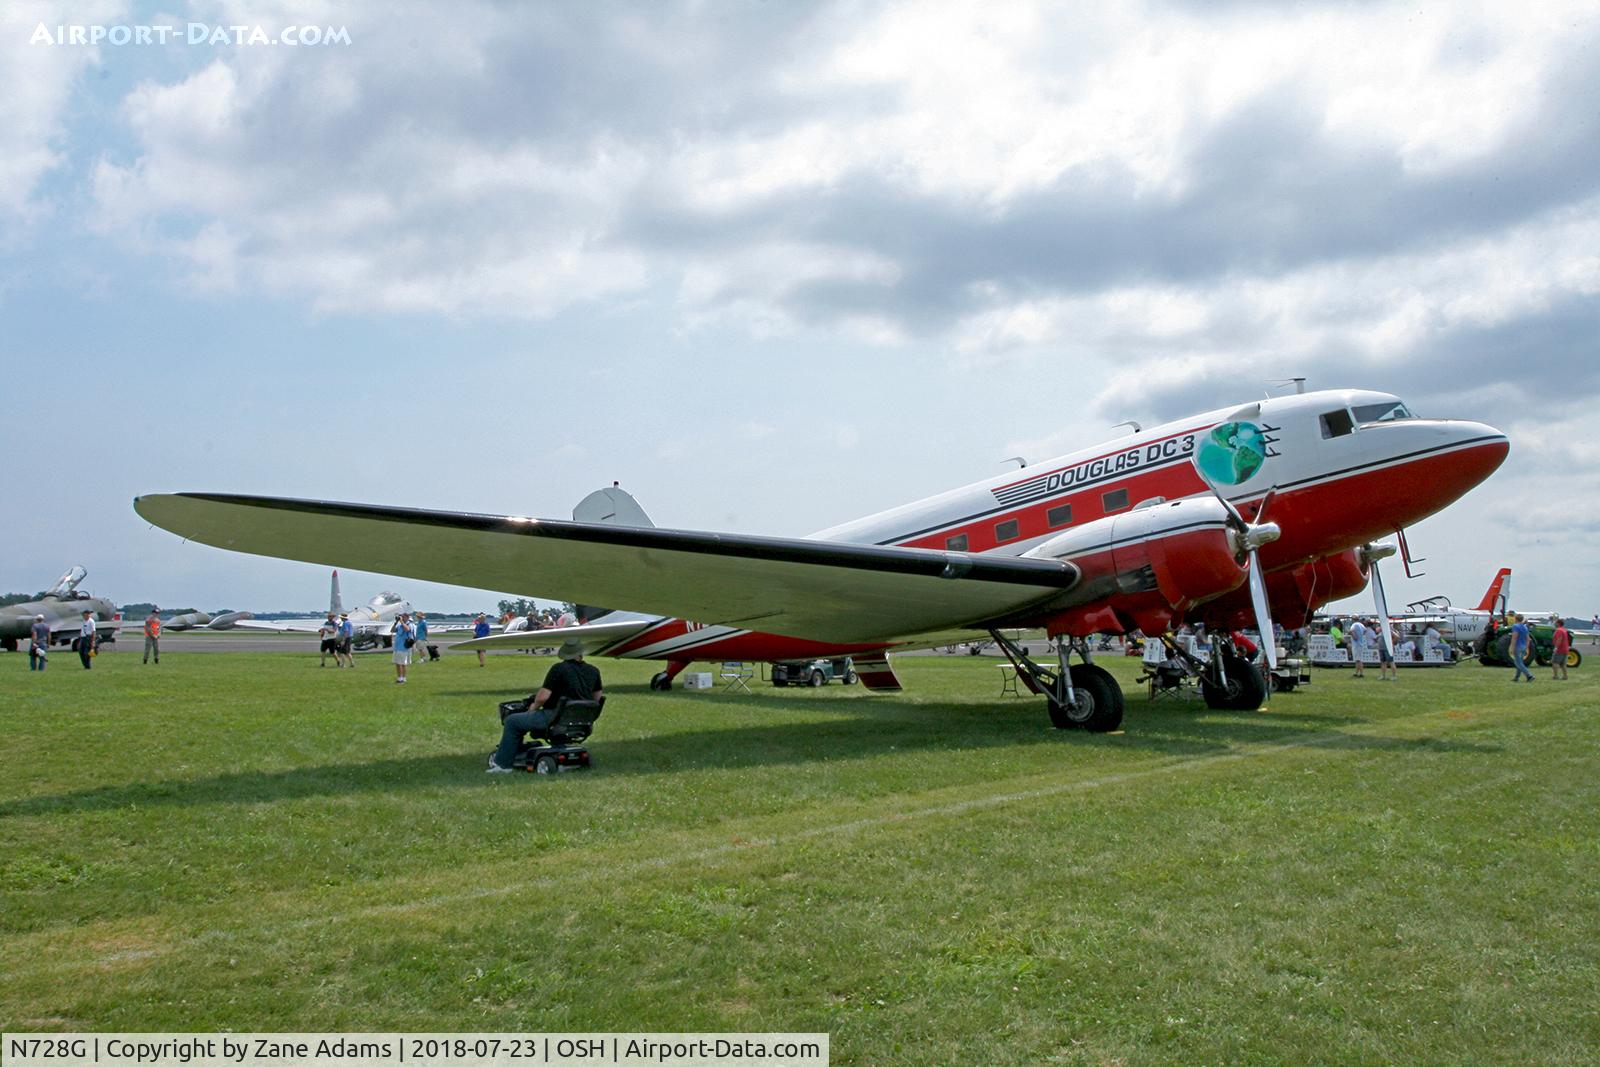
(41, 634)
(571, 679)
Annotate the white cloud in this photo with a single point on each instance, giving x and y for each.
(38, 80)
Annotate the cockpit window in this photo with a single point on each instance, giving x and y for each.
(1388, 411)
(1337, 423)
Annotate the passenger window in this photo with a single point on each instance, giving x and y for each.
(1115, 500)
(1337, 423)
(1005, 531)
(1058, 516)
(958, 543)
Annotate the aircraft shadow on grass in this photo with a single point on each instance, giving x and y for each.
(850, 730)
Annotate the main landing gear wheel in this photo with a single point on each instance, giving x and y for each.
(1096, 705)
(661, 681)
(1243, 690)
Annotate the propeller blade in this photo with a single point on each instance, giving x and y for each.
(1383, 610)
(1258, 599)
(1266, 503)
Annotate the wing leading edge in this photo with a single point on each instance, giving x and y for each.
(818, 589)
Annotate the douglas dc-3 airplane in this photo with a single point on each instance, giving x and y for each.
(1211, 518)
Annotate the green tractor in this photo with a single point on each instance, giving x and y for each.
(1494, 647)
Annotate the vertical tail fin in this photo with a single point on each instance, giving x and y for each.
(335, 601)
(1499, 591)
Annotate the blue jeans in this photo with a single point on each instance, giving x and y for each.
(1518, 656)
(511, 730)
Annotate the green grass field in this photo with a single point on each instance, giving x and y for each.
(1368, 873)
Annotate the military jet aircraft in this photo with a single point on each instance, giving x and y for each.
(62, 607)
(196, 620)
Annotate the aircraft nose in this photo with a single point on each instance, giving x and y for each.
(1481, 450)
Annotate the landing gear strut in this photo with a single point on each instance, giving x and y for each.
(662, 680)
(1083, 695)
(1231, 682)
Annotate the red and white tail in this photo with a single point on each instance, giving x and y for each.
(1499, 593)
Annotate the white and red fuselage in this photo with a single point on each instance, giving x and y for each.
(1153, 547)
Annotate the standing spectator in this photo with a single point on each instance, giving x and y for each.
(1356, 637)
(421, 628)
(1387, 670)
(1560, 645)
(152, 637)
(480, 628)
(1521, 642)
(86, 639)
(347, 641)
(328, 632)
(39, 647)
(403, 636)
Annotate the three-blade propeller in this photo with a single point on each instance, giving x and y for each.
(1248, 538)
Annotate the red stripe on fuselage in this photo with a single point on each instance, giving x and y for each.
(1173, 481)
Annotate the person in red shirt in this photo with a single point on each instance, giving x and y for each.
(1560, 645)
(152, 637)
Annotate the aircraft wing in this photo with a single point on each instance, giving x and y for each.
(596, 636)
(288, 626)
(818, 589)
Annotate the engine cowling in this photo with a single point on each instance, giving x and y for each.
(1144, 568)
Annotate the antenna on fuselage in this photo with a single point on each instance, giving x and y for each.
(1298, 383)
(1018, 460)
(1129, 422)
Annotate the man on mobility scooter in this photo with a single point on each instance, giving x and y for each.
(561, 712)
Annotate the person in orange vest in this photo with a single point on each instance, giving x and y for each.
(152, 637)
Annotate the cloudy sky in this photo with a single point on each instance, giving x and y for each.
(773, 265)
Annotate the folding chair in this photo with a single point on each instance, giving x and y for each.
(737, 675)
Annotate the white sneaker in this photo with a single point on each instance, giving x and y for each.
(495, 768)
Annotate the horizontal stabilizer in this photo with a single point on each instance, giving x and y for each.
(596, 637)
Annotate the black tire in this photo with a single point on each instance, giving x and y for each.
(1498, 652)
(544, 765)
(1284, 685)
(1245, 689)
(1099, 702)
(780, 675)
(850, 676)
(816, 679)
(974, 650)
(660, 682)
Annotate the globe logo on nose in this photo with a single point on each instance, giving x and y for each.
(1232, 452)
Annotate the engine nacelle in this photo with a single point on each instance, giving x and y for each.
(1294, 593)
(1146, 567)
